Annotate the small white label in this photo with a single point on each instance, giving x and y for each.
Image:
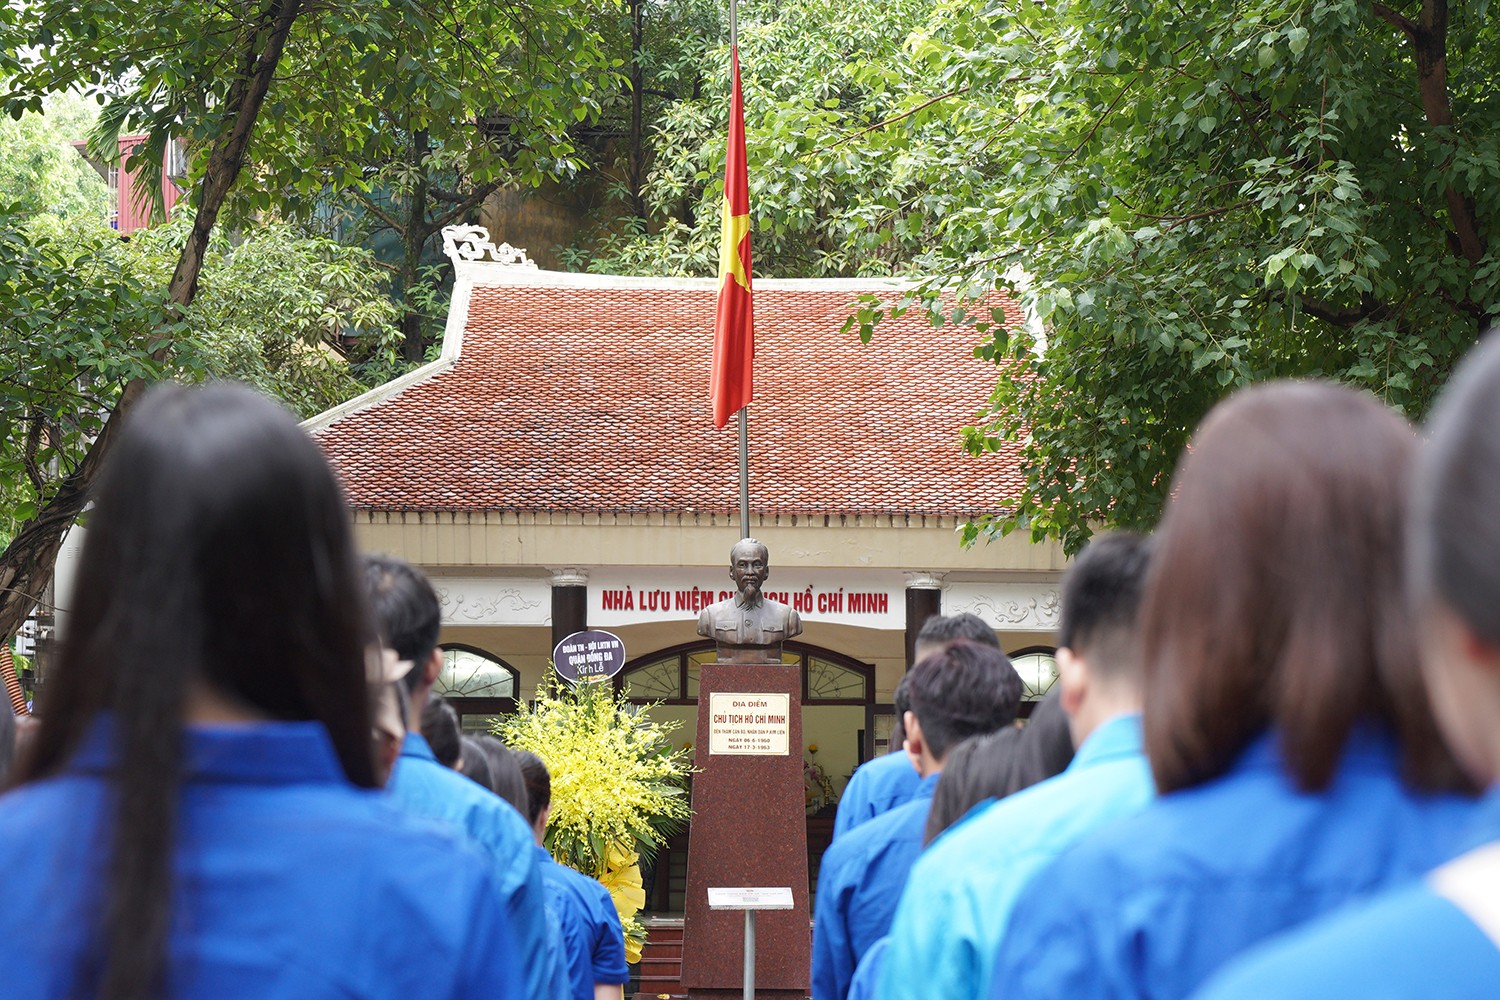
(749, 724)
(778, 898)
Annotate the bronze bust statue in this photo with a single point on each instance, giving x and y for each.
(749, 628)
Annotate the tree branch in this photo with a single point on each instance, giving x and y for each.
(1401, 21)
(895, 118)
(373, 207)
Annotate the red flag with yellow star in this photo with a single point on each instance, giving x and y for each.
(731, 386)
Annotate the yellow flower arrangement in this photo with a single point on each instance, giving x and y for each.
(622, 877)
(617, 787)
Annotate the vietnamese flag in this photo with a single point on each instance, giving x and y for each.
(730, 385)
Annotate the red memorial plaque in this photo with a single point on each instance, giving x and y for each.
(749, 829)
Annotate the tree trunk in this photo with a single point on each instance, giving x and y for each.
(637, 112)
(1429, 41)
(414, 237)
(27, 562)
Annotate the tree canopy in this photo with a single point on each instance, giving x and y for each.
(1188, 197)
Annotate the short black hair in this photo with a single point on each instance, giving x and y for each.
(406, 610)
(1101, 596)
(440, 730)
(538, 783)
(940, 629)
(963, 690)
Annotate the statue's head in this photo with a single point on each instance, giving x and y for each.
(749, 566)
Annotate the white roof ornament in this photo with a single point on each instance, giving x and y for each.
(466, 243)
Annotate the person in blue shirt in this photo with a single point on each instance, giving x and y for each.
(1438, 938)
(961, 691)
(1285, 718)
(409, 617)
(593, 937)
(957, 903)
(199, 813)
(890, 780)
(879, 785)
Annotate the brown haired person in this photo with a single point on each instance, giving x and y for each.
(1285, 718)
(1438, 938)
(198, 811)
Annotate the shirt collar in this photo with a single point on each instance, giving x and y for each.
(543, 855)
(1368, 748)
(1112, 739)
(259, 753)
(927, 786)
(416, 745)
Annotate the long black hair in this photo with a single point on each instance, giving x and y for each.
(219, 555)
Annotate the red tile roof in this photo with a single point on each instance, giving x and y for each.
(596, 399)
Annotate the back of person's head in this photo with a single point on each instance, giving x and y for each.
(9, 740)
(1274, 598)
(939, 630)
(901, 699)
(975, 770)
(1045, 748)
(440, 730)
(1454, 548)
(962, 690)
(1101, 598)
(506, 779)
(538, 783)
(474, 762)
(405, 609)
(220, 554)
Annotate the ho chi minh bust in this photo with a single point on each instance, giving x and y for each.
(749, 628)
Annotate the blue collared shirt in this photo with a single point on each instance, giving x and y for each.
(867, 972)
(593, 938)
(423, 787)
(859, 882)
(958, 900)
(1153, 904)
(290, 883)
(1410, 944)
(876, 787)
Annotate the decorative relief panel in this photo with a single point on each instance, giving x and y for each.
(480, 601)
(1006, 606)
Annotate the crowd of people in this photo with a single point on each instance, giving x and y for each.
(1282, 710)
(242, 785)
(1260, 773)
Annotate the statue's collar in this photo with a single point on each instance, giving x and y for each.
(741, 601)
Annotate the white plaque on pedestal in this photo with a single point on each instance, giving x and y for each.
(746, 898)
(752, 725)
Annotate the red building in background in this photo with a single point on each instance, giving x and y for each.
(129, 198)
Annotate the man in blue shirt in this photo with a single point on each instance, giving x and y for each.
(593, 938)
(882, 784)
(958, 899)
(963, 690)
(407, 612)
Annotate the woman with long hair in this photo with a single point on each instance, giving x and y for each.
(1286, 722)
(197, 814)
(1437, 938)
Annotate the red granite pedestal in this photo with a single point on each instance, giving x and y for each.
(749, 829)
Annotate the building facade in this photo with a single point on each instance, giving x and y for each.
(557, 468)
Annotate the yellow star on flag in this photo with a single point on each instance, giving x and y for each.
(733, 232)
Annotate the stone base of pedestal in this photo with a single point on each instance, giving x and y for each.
(749, 830)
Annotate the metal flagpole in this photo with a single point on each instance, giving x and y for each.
(734, 43)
